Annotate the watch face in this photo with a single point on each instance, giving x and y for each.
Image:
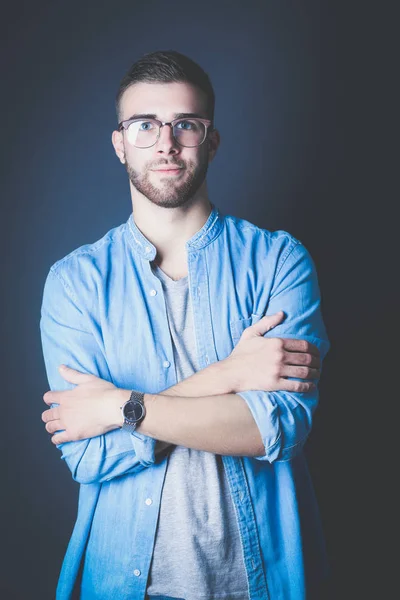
(133, 411)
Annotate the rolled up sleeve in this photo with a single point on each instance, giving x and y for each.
(68, 338)
(285, 418)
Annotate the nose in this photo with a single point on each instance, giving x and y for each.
(166, 143)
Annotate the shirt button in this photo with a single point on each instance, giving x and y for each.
(149, 501)
(153, 292)
(166, 364)
(136, 572)
(148, 248)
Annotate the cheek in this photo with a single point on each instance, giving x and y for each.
(196, 158)
(203, 156)
(137, 162)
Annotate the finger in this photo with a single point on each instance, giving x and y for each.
(301, 372)
(50, 414)
(294, 345)
(267, 322)
(74, 376)
(60, 438)
(291, 385)
(53, 426)
(301, 358)
(51, 397)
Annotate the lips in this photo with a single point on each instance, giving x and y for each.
(171, 169)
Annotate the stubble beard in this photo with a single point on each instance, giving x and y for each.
(170, 193)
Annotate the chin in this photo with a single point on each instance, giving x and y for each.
(168, 202)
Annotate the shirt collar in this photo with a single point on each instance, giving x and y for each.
(202, 238)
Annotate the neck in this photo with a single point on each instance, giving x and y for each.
(168, 229)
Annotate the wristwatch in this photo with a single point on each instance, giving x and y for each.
(133, 411)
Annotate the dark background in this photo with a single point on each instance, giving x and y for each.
(302, 102)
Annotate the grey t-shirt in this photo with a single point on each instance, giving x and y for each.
(198, 553)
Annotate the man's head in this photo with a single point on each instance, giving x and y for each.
(166, 85)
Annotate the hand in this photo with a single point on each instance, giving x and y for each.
(91, 408)
(259, 363)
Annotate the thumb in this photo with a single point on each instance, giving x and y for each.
(268, 322)
(74, 376)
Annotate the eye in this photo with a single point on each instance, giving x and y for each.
(187, 125)
(145, 125)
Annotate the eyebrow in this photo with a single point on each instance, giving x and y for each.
(176, 116)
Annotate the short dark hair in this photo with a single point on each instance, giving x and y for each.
(166, 66)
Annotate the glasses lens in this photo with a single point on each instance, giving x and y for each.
(189, 132)
(142, 133)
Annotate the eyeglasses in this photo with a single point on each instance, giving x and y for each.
(144, 133)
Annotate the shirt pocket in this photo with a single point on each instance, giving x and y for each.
(239, 325)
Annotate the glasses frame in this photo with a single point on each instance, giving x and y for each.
(206, 122)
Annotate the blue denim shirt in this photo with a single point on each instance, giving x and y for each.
(103, 312)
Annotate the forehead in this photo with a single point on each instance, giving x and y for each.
(163, 100)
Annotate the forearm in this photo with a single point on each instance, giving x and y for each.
(214, 379)
(221, 424)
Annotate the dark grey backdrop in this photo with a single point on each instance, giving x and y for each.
(295, 91)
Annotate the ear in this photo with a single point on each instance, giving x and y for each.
(213, 140)
(118, 143)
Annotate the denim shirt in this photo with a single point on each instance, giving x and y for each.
(103, 312)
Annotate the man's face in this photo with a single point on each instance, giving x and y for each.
(165, 101)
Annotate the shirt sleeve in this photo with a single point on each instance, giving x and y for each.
(68, 338)
(285, 418)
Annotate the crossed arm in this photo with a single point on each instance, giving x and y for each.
(247, 404)
(205, 411)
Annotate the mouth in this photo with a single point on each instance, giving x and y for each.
(174, 171)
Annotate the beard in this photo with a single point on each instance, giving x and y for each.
(170, 193)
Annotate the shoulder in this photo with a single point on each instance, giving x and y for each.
(89, 261)
(277, 245)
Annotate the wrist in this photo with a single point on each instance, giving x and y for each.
(228, 374)
(144, 425)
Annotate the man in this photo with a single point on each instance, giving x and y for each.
(193, 343)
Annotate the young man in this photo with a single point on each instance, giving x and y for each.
(193, 343)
